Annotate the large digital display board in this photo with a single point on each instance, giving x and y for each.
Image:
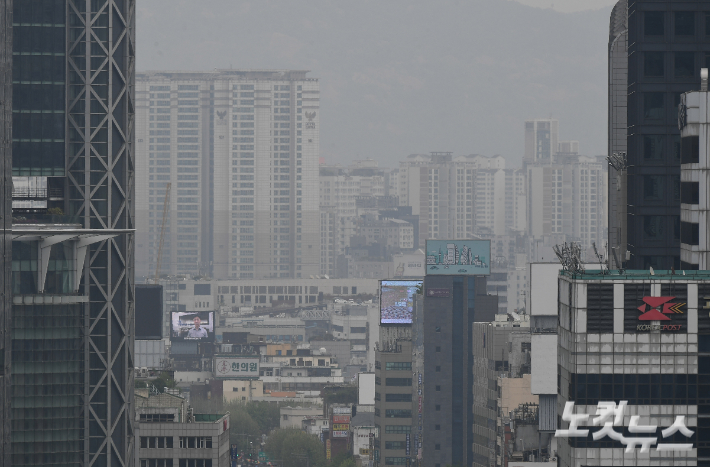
(397, 301)
(192, 326)
(454, 257)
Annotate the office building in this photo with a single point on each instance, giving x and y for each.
(168, 434)
(451, 305)
(641, 338)
(394, 402)
(239, 150)
(6, 223)
(541, 138)
(72, 259)
(667, 47)
(618, 90)
(695, 168)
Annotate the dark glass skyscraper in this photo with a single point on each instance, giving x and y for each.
(5, 223)
(668, 43)
(72, 251)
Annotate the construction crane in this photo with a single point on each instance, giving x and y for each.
(166, 204)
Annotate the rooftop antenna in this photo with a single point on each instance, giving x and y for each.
(602, 264)
(570, 255)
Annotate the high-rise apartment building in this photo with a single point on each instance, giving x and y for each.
(667, 45)
(617, 128)
(541, 138)
(568, 196)
(72, 251)
(6, 224)
(240, 152)
(463, 196)
(338, 191)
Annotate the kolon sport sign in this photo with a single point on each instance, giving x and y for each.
(659, 309)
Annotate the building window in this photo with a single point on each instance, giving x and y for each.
(437, 329)
(438, 349)
(653, 64)
(653, 187)
(653, 147)
(689, 233)
(395, 445)
(398, 366)
(153, 442)
(398, 429)
(690, 150)
(398, 381)
(438, 388)
(157, 417)
(396, 460)
(437, 407)
(195, 442)
(437, 427)
(653, 105)
(156, 463)
(397, 397)
(398, 413)
(684, 23)
(684, 65)
(653, 23)
(437, 447)
(195, 463)
(653, 227)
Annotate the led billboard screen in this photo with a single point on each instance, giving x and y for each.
(397, 301)
(192, 326)
(455, 257)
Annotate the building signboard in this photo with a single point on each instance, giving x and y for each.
(339, 434)
(658, 309)
(231, 367)
(341, 426)
(458, 257)
(438, 293)
(341, 418)
(342, 410)
(327, 449)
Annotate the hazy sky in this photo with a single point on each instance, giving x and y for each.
(403, 76)
(567, 6)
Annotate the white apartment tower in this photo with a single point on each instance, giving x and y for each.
(568, 197)
(462, 196)
(240, 150)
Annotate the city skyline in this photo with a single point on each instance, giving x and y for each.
(467, 99)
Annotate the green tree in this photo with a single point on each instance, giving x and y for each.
(294, 448)
(265, 414)
(243, 430)
(343, 395)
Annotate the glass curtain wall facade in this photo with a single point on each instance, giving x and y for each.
(5, 223)
(668, 44)
(72, 334)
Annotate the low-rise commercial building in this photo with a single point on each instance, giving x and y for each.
(168, 434)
